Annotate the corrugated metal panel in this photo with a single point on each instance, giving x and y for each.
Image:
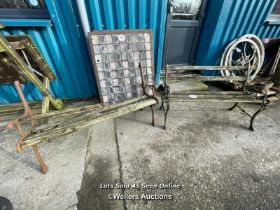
(131, 14)
(228, 19)
(64, 47)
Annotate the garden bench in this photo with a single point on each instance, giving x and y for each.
(48, 126)
(21, 61)
(59, 123)
(244, 95)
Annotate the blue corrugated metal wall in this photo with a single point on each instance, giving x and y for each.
(226, 20)
(64, 47)
(131, 14)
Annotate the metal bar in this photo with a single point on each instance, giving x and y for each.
(254, 117)
(243, 110)
(153, 115)
(44, 167)
(233, 107)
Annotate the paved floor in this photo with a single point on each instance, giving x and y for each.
(22, 182)
(207, 150)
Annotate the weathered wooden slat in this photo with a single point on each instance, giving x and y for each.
(76, 114)
(180, 74)
(15, 45)
(206, 78)
(13, 111)
(36, 105)
(67, 118)
(67, 128)
(215, 100)
(245, 97)
(17, 107)
(203, 68)
(214, 92)
(75, 110)
(84, 116)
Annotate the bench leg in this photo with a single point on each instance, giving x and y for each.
(27, 109)
(44, 167)
(234, 106)
(254, 117)
(165, 115)
(153, 115)
(161, 106)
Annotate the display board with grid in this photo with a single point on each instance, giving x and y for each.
(116, 56)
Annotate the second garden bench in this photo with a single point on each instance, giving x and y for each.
(244, 95)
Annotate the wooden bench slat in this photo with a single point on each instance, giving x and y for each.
(78, 112)
(247, 97)
(206, 78)
(216, 100)
(204, 68)
(53, 131)
(214, 92)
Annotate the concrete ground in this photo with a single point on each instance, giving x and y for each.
(207, 150)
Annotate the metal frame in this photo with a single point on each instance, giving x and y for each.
(14, 62)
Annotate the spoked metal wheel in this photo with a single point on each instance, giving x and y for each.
(247, 51)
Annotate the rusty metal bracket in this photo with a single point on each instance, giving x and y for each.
(24, 134)
(153, 96)
(144, 85)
